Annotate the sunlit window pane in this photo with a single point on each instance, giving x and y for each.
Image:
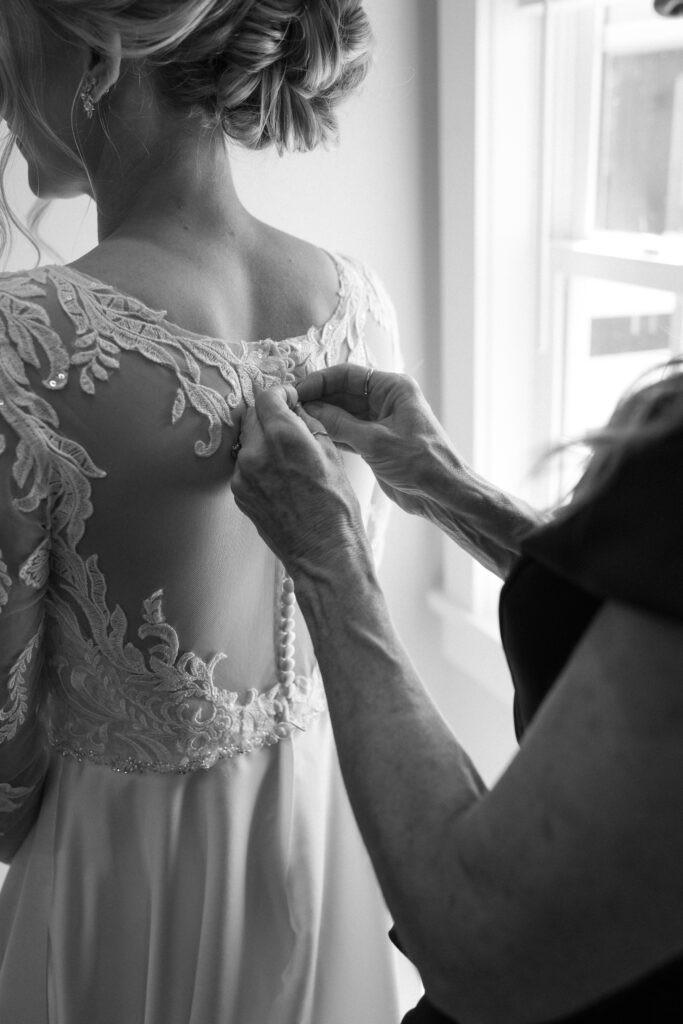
(640, 165)
(616, 333)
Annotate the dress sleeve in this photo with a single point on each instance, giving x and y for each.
(375, 342)
(622, 539)
(24, 570)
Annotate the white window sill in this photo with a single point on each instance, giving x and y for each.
(629, 259)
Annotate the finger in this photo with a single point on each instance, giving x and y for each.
(344, 428)
(250, 427)
(278, 404)
(287, 393)
(340, 380)
(281, 425)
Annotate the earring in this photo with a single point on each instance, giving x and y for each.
(86, 97)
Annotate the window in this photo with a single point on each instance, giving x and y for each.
(562, 246)
(617, 256)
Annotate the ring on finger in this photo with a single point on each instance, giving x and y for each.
(319, 433)
(366, 385)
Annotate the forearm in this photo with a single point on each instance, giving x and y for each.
(485, 521)
(406, 775)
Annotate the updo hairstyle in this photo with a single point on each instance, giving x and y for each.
(268, 72)
(265, 72)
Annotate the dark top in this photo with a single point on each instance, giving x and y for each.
(624, 543)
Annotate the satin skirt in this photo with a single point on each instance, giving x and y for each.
(238, 895)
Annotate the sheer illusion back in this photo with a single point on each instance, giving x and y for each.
(142, 620)
(157, 578)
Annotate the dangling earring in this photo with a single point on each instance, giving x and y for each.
(86, 97)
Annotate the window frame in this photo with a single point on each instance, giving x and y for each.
(476, 36)
(502, 316)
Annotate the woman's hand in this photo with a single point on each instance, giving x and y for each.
(290, 481)
(385, 418)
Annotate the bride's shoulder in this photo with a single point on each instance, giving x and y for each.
(24, 293)
(372, 313)
(27, 283)
(29, 310)
(372, 288)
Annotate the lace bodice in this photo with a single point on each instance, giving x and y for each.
(143, 624)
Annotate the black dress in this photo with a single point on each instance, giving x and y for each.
(625, 544)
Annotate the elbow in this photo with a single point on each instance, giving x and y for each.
(471, 996)
(470, 973)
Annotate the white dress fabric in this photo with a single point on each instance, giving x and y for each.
(190, 856)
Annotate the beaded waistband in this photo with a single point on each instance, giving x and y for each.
(261, 720)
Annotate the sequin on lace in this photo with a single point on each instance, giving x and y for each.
(152, 706)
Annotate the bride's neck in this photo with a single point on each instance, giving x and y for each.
(177, 185)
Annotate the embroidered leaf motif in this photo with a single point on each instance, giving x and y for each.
(119, 626)
(26, 324)
(178, 406)
(15, 711)
(153, 608)
(23, 464)
(5, 583)
(36, 569)
(87, 382)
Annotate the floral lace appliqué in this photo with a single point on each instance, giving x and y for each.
(14, 713)
(159, 709)
(5, 583)
(144, 705)
(108, 324)
(36, 569)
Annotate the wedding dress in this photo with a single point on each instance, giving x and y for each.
(194, 859)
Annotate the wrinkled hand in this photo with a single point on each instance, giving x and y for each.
(293, 487)
(392, 427)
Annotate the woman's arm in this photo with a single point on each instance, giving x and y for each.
(395, 431)
(563, 883)
(24, 559)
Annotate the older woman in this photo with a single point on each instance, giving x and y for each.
(558, 894)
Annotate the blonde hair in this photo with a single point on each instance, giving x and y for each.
(265, 72)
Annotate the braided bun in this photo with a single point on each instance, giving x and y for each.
(270, 72)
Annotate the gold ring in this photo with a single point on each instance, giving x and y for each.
(366, 385)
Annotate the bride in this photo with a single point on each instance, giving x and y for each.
(181, 846)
